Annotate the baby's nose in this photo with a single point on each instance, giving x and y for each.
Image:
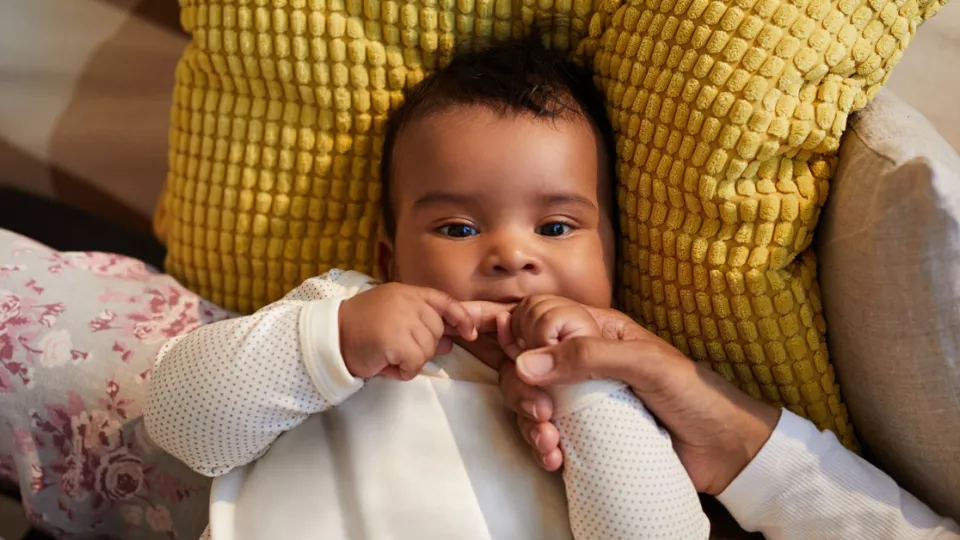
(510, 255)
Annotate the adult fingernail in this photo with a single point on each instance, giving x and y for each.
(530, 408)
(535, 365)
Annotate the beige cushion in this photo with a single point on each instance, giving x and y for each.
(890, 269)
(85, 93)
(933, 92)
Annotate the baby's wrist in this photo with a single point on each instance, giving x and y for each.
(322, 354)
(346, 338)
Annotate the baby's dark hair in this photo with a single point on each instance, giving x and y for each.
(518, 77)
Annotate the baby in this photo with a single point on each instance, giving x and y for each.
(498, 195)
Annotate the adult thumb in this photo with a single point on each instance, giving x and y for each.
(577, 359)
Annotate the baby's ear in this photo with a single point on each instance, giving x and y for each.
(385, 258)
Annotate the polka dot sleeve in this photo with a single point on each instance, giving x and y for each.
(622, 476)
(220, 395)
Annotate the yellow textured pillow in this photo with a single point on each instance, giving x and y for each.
(727, 113)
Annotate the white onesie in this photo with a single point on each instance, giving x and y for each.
(220, 396)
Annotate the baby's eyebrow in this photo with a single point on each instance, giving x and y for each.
(436, 198)
(546, 199)
(559, 199)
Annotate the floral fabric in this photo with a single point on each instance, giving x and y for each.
(78, 335)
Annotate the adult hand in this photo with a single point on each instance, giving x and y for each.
(716, 429)
(533, 406)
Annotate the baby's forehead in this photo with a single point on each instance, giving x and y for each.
(466, 138)
(496, 115)
(470, 156)
(450, 128)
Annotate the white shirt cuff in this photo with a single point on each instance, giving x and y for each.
(320, 346)
(571, 398)
(764, 478)
(355, 283)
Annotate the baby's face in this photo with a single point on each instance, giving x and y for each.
(500, 207)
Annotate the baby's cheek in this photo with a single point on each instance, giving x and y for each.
(584, 277)
(443, 271)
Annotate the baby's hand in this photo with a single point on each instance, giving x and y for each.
(541, 321)
(394, 329)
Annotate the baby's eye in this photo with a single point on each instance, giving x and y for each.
(554, 229)
(458, 230)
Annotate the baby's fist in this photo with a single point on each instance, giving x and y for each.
(544, 320)
(395, 329)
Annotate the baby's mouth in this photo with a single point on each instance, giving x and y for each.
(506, 299)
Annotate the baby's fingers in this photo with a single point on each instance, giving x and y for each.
(546, 321)
(444, 346)
(535, 322)
(505, 337)
(541, 436)
(411, 350)
(550, 461)
(527, 401)
(485, 314)
(392, 372)
(453, 313)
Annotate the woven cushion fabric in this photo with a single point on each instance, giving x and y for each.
(277, 123)
(727, 116)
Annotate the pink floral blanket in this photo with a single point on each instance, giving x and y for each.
(78, 334)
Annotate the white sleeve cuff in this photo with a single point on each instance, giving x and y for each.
(355, 283)
(320, 346)
(804, 484)
(570, 398)
(766, 476)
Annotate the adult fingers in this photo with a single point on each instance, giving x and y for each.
(582, 358)
(453, 313)
(525, 400)
(616, 325)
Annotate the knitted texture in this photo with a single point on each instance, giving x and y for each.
(728, 115)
